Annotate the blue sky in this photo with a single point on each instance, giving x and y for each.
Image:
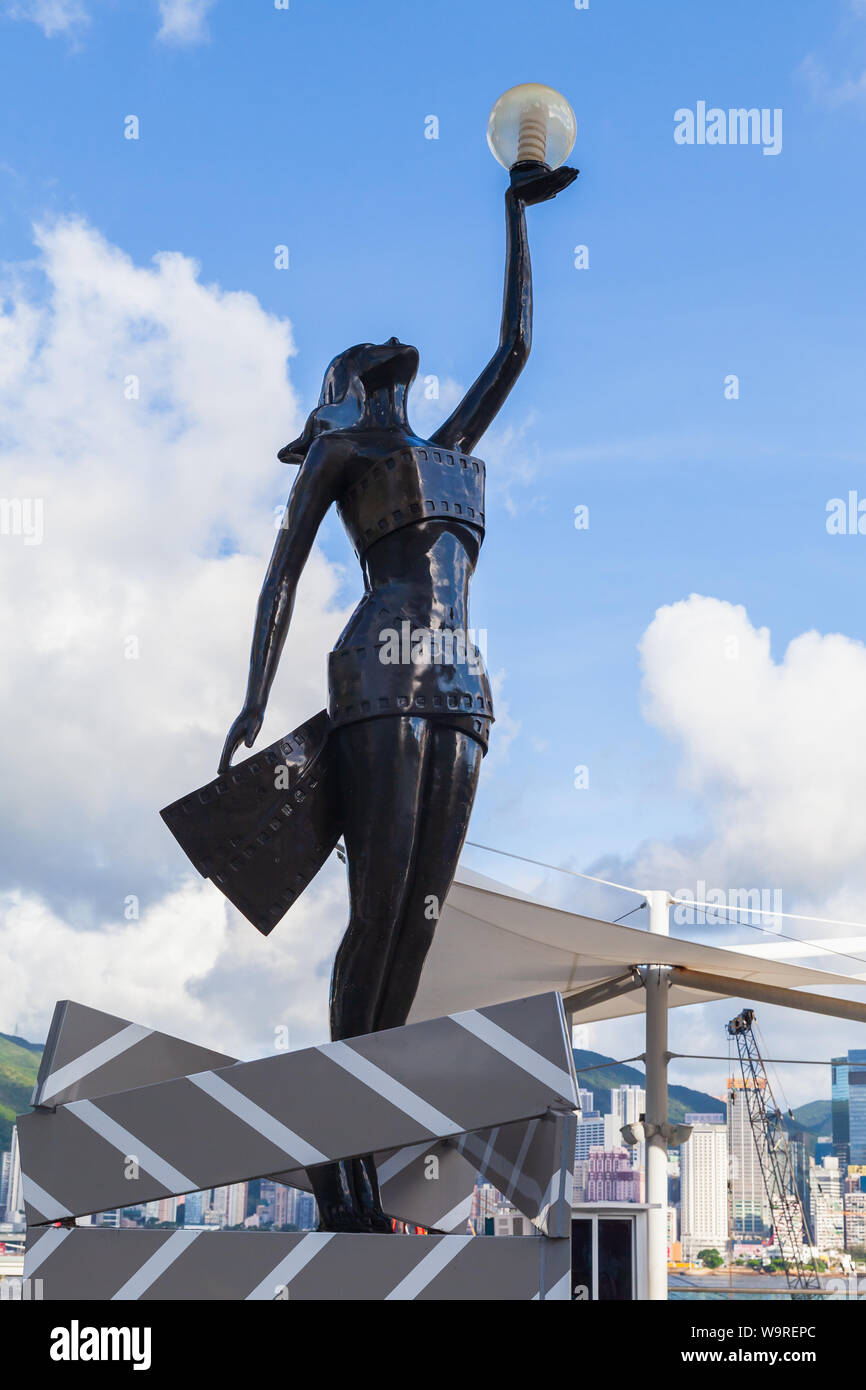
(306, 127)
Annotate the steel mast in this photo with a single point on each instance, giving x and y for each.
(774, 1159)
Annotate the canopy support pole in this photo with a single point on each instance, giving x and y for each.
(770, 994)
(656, 983)
(599, 994)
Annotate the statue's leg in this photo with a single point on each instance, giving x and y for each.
(381, 766)
(451, 776)
(381, 772)
(454, 762)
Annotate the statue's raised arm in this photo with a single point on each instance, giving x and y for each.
(530, 183)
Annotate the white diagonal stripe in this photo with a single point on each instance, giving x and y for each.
(459, 1214)
(496, 1166)
(294, 1262)
(292, 1145)
(560, 1290)
(54, 1237)
(416, 1281)
(400, 1160)
(89, 1061)
(139, 1282)
(390, 1089)
(517, 1170)
(551, 1195)
(489, 1150)
(42, 1201)
(523, 1056)
(121, 1139)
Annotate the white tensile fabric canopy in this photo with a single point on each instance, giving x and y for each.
(494, 943)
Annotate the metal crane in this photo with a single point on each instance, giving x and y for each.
(774, 1160)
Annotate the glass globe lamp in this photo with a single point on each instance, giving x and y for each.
(531, 123)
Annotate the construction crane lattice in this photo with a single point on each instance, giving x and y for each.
(774, 1160)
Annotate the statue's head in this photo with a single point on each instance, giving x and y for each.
(352, 379)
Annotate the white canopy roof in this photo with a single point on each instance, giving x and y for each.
(494, 943)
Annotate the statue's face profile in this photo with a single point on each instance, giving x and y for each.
(387, 364)
(351, 378)
(365, 368)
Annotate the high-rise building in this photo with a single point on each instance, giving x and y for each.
(612, 1178)
(627, 1103)
(674, 1177)
(14, 1190)
(857, 1105)
(839, 1108)
(5, 1169)
(855, 1221)
(827, 1204)
(486, 1198)
(267, 1202)
(163, 1210)
(193, 1209)
(282, 1206)
(214, 1206)
(749, 1209)
(596, 1132)
(236, 1204)
(106, 1218)
(306, 1211)
(704, 1186)
(587, 1099)
(798, 1148)
(824, 1147)
(673, 1245)
(581, 1173)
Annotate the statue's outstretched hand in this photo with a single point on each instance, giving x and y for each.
(245, 729)
(535, 183)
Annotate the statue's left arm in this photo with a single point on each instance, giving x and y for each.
(310, 498)
(485, 398)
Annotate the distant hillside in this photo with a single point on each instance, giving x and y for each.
(682, 1100)
(814, 1117)
(19, 1063)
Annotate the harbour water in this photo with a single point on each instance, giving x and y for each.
(747, 1286)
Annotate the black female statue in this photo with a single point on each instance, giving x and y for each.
(393, 765)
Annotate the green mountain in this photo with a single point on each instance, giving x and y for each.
(814, 1117)
(19, 1063)
(682, 1100)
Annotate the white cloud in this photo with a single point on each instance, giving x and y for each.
(829, 91)
(190, 966)
(52, 16)
(846, 45)
(774, 749)
(183, 21)
(773, 756)
(158, 522)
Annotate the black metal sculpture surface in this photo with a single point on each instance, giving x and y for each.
(393, 764)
